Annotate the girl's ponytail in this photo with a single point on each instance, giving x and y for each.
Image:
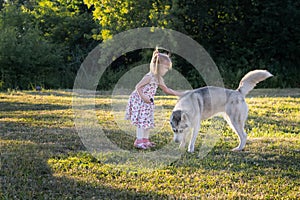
(155, 61)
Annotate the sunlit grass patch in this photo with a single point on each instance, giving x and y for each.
(274, 117)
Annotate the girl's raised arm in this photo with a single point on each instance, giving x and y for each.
(170, 91)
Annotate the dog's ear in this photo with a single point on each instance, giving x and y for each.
(176, 116)
(184, 116)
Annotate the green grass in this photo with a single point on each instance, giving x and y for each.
(42, 156)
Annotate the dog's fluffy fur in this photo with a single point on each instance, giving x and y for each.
(203, 103)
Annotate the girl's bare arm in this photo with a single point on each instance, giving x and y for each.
(139, 88)
(170, 91)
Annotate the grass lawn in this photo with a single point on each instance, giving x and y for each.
(43, 157)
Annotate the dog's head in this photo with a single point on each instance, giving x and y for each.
(180, 124)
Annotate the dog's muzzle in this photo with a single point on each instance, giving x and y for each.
(176, 140)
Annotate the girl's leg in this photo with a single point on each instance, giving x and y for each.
(146, 133)
(139, 142)
(146, 138)
(139, 133)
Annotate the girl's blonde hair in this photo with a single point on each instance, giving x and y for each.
(155, 63)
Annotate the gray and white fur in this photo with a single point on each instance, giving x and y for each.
(203, 103)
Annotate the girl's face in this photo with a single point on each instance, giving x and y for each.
(164, 67)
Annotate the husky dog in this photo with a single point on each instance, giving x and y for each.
(203, 103)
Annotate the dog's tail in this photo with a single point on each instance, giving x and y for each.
(250, 80)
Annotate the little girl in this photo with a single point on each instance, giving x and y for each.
(140, 107)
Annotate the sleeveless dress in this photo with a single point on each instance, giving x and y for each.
(140, 113)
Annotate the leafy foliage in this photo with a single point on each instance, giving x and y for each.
(43, 43)
(25, 56)
(239, 35)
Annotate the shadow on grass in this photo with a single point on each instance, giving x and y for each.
(260, 157)
(67, 93)
(21, 106)
(25, 174)
(66, 138)
(285, 126)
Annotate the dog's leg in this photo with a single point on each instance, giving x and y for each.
(194, 136)
(182, 144)
(236, 122)
(242, 136)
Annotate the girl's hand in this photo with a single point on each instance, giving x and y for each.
(148, 100)
(155, 53)
(139, 88)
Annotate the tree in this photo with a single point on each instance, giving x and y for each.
(67, 24)
(52, 38)
(239, 35)
(116, 16)
(26, 58)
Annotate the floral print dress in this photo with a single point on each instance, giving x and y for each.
(140, 113)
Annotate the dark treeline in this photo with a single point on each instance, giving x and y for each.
(43, 42)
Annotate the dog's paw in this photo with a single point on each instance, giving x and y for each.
(191, 150)
(182, 145)
(236, 149)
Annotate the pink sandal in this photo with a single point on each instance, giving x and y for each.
(148, 143)
(140, 144)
